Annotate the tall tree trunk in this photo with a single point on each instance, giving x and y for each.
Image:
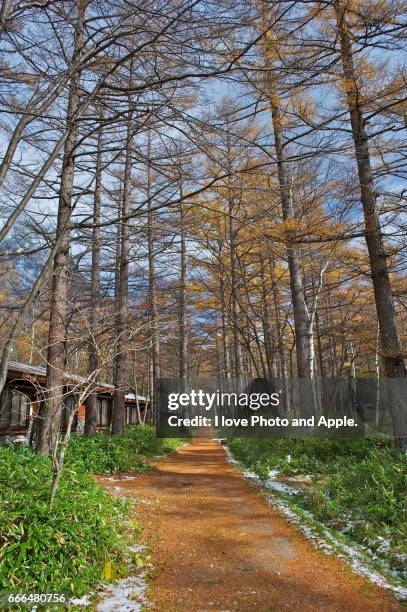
(390, 341)
(300, 312)
(225, 333)
(93, 360)
(266, 321)
(234, 285)
(154, 331)
(319, 344)
(122, 294)
(237, 347)
(377, 368)
(48, 426)
(332, 336)
(183, 332)
(226, 365)
(280, 337)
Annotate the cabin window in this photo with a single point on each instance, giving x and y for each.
(14, 409)
(104, 406)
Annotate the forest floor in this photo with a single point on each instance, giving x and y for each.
(217, 545)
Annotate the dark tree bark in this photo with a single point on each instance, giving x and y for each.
(183, 331)
(48, 426)
(93, 360)
(390, 340)
(266, 321)
(154, 330)
(234, 284)
(122, 296)
(280, 337)
(300, 312)
(226, 367)
(392, 356)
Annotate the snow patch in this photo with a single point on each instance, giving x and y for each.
(82, 602)
(273, 484)
(126, 595)
(136, 549)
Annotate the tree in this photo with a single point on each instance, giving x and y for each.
(48, 432)
(391, 346)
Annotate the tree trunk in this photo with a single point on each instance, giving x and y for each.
(122, 295)
(237, 347)
(183, 333)
(390, 341)
(93, 360)
(51, 414)
(226, 366)
(154, 331)
(319, 345)
(300, 312)
(280, 337)
(266, 321)
(225, 333)
(234, 285)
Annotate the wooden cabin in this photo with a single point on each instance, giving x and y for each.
(22, 394)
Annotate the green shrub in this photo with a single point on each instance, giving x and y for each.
(316, 456)
(103, 453)
(63, 548)
(367, 499)
(147, 444)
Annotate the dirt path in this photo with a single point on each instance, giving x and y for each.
(217, 545)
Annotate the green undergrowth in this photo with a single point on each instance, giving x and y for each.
(61, 548)
(69, 546)
(103, 453)
(357, 488)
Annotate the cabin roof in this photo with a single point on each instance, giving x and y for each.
(40, 372)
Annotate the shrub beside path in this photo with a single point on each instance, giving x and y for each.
(217, 545)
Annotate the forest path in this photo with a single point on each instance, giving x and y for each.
(217, 545)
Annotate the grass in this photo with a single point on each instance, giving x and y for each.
(63, 548)
(358, 487)
(67, 548)
(103, 453)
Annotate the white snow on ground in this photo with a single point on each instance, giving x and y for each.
(136, 549)
(276, 485)
(126, 595)
(329, 543)
(84, 601)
